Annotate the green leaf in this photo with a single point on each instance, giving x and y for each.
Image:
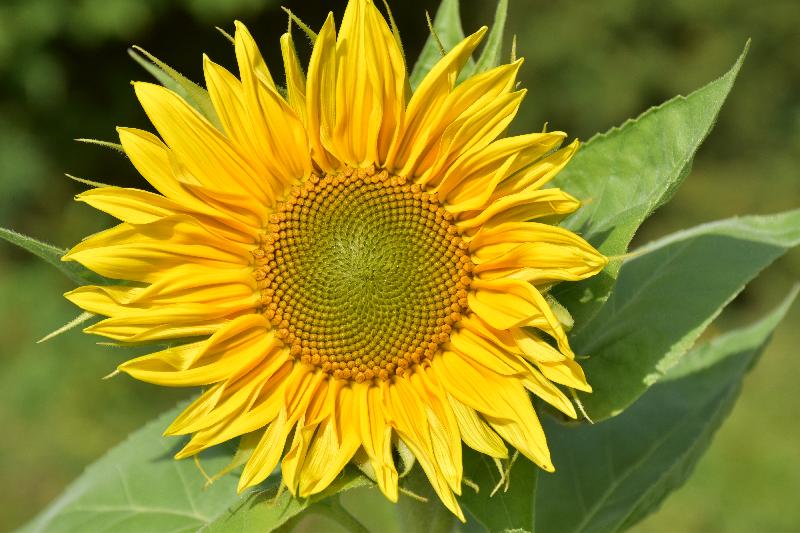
(450, 32)
(493, 47)
(52, 255)
(138, 486)
(505, 509)
(611, 475)
(270, 508)
(666, 296)
(622, 176)
(173, 80)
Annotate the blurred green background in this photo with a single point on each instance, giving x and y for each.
(64, 73)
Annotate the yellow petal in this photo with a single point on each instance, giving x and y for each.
(544, 389)
(132, 330)
(320, 95)
(471, 131)
(423, 124)
(235, 348)
(280, 136)
(221, 291)
(525, 434)
(199, 146)
(295, 78)
(469, 383)
(476, 433)
(526, 205)
(240, 123)
(501, 400)
(266, 454)
(293, 459)
(509, 303)
(539, 174)
(248, 57)
(370, 86)
(444, 432)
(535, 252)
(501, 338)
(144, 252)
(480, 165)
(483, 352)
(246, 406)
(332, 448)
(567, 372)
(156, 164)
(258, 410)
(536, 349)
(130, 205)
(149, 155)
(376, 438)
(406, 413)
(305, 385)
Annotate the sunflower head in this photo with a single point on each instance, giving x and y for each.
(344, 266)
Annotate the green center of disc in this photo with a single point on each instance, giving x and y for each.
(363, 275)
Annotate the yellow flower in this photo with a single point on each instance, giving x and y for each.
(350, 266)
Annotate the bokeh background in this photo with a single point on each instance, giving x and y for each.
(64, 73)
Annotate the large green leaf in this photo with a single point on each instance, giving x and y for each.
(623, 175)
(448, 28)
(52, 255)
(666, 295)
(611, 475)
(138, 486)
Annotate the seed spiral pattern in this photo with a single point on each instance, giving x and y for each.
(362, 274)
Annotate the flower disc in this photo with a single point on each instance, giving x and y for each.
(363, 275)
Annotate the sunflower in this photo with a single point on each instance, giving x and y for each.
(344, 266)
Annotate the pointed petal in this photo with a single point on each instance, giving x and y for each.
(144, 252)
(544, 389)
(370, 86)
(320, 95)
(376, 438)
(522, 206)
(502, 402)
(333, 446)
(479, 166)
(406, 413)
(444, 431)
(473, 130)
(539, 174)
(280, 135)
(535, 252)
(199, 146)
(423, 123)
(508, 303)
(156, 163)
(483, 352)
(295, 78)
(476, 433)
(234, 349)
(267, 453)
